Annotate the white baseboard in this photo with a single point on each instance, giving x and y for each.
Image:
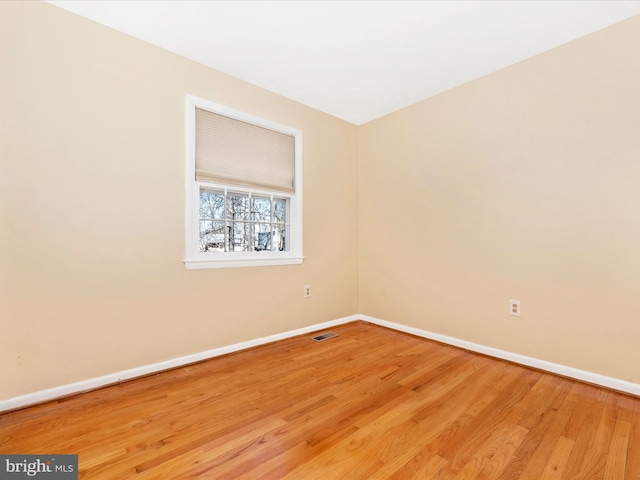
(113, 378)
(582, 375)
(93, 383)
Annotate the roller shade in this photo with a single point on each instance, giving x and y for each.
(234, 152)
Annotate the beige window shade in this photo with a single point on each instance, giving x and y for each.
(239, 153)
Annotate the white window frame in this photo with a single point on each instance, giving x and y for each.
(194, 258)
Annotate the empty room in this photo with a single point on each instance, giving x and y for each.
(320, 240)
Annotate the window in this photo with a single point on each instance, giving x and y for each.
(244, 191)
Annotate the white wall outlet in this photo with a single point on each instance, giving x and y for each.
(307, 291)
(514, 308)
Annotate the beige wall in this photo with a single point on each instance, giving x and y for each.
(524, 184)
(92, 208)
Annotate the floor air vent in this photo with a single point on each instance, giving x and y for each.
(324, 336)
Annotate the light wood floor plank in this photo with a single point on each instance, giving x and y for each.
(531, 463)
(616, 458)
(554, 469)
(371, 403)
(429, 469)
(588, 456)
(633, 450)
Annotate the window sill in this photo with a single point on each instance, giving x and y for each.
(236, 263)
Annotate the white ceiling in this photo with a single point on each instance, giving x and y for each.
(357, 60)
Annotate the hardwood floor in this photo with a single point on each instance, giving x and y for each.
(370, 404)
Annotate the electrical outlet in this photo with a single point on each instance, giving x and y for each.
(514, 308)
(307, 291)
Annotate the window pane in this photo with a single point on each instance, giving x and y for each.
(279, 238)
(238, 237)
(261, 209)
(212, 236)
(280, 210)
(211, 205)
(262, 236)
(237, 206)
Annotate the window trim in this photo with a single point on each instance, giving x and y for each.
(194, 259)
